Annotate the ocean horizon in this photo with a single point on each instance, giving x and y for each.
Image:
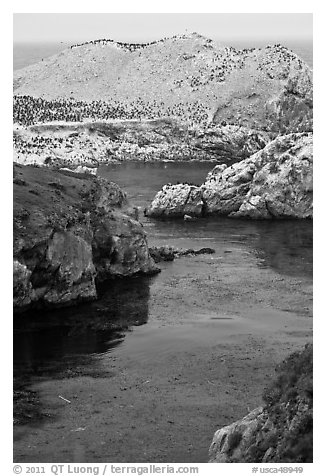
(26, 54)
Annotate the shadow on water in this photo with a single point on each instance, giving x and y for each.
(65, 343)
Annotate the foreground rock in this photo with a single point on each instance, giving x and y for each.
(69, 231)
(276, 182)
(279, 432)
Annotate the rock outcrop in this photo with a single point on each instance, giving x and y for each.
(280, 431)
(292, 109)
(70, 231)
(276, 182)
(82, 146)
(176, 201)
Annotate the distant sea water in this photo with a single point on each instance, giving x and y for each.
(25, 54)
(303, 48)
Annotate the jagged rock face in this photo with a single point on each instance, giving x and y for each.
(280, 431)
(76, 145)
(231, 143)
(230, 442)
(68, 232)
(282, 186)
(276, 182)
(292, 109)
(254, 437)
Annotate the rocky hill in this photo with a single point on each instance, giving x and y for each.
(69, 231)
(189, 77)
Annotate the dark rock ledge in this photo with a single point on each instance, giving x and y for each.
(169, 253)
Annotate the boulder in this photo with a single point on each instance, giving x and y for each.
(120, 247)
(177, 201)
(230, 143)
(162, 253)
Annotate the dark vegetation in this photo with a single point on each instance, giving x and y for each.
(291, 396)
(289, 406)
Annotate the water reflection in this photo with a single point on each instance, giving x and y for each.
(66, 342)
(286, 246)
(142, 181)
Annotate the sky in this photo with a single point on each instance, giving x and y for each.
(70, 27)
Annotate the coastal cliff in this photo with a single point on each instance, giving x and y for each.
(69, 231)
(276, 182)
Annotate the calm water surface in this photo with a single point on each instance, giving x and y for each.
(49, 343)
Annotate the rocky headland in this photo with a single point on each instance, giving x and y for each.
(69, 232)
(282, 429)
(176, 99)
(189, 77)
(83, 146)
(276, 182)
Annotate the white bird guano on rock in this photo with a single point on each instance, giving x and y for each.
(276, 182)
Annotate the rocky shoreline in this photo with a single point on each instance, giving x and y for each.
(185, 99)
(83, 230)
(83, 146)
(276, 182)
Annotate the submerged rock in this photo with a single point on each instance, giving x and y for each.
(276, 182)
(69, 231)
(168, 253)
